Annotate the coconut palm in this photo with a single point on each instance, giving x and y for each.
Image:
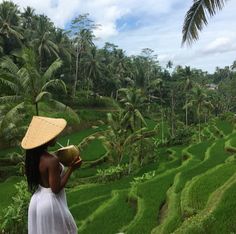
(28, 17)
(187, 88)
(156, 86)
(63, 44)
(26, 84)
(93, 67)
(133, 101)
(83, 41)
(43, 43)
(10, 30)
(118, 141)
(82, 28)
(199, 101)
(196, 18)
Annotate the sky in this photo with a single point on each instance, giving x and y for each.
(155, 24)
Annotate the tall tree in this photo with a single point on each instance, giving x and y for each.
(43, 42)
(81, 29)
(93, 68)
(10, 29)
(27, 84)
(199, 101)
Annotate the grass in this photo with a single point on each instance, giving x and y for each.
(224, 126)
(214, 156)
(173, 217)
(83, 209)
(111, 216)
(210, 219)
(224, 216)
(153, 195)
(197, 192)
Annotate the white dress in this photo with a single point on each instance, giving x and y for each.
(49, 214)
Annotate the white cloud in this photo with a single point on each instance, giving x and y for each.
(220, 45)
(157, 25)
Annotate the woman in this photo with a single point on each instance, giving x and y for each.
(48, 211)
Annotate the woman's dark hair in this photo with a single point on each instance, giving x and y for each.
(32, 159)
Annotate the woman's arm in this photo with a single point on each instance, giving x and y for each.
(56, 182)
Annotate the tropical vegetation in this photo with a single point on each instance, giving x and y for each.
(158, 142)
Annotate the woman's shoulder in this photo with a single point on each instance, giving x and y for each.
(50, 158)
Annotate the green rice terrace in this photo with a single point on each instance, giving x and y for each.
(183, 189)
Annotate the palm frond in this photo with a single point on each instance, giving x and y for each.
(11, 115)
(9, 65)
(62, 107)
(140, 116)
(24, 77)
(55, 83)
(9, 84)
(53, 68)
(196, 18)
(16, 34)
(41, 95)
(10, 99)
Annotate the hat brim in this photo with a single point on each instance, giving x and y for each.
(42, 130)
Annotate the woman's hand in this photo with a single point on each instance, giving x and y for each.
(76, 163)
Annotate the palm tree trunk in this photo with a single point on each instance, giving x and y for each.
(172, 113)
(199, 130)
(76, 71)
(199, 125)
(37, 108)
(186, 113)
(162, 126)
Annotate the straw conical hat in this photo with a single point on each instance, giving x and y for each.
(41, 130)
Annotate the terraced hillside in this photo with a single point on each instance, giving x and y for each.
(191, 189)
(187, 194)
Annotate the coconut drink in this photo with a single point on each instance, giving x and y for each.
(67, 154)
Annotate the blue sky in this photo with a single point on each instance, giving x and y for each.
(156, 24)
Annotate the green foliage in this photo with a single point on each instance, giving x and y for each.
(14, 219)
(119, 140)
(145, 177)
(89, 99)
(182, 135)
(112, 173)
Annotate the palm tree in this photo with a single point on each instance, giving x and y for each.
(157, 85)
(169, 64)
(26, 84)
(233, 66)
(133, 101)
(199, 101)
(10, 29)
(63, 44)
(43, 42)
(28, 17)
(118, 141)
(93, 67)
(83, 42)
(82, 28)
(196, 18)
(187, 88)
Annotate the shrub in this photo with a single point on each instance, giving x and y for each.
(182, 135)
(85, 99)
(112, 173)
(15, 219)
